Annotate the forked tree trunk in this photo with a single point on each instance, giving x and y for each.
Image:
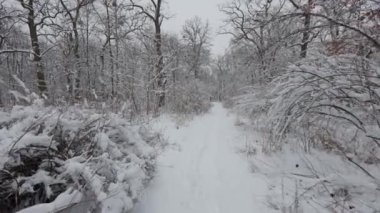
(36, 58)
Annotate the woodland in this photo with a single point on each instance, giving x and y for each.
(81, 79)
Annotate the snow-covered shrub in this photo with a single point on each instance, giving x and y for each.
(255, 104)
(190, 98)
(327, 101)
(73, 157)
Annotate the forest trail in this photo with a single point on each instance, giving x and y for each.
(203, 172)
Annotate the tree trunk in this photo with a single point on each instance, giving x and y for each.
(37, 59)
(161, 77)
(75, 45)
(108, 37)
(87, 53)
(1, 99)
(117, 43)
(78, 70)
(306, 32)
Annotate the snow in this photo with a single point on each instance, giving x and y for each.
(202, 170)
(217, 163)
(64, 200)
(304, 181)
(105, 158)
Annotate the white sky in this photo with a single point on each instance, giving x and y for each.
(181, 10)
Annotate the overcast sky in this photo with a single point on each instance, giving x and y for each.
(182, 10)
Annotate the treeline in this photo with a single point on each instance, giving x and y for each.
(75, 51)
(269, 35)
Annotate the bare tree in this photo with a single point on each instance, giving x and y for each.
(307, 9)
(117, 23)
(113, 51)
(196, 37)
(254, 24)
(153, 12)
(35, 9)
(72, 11)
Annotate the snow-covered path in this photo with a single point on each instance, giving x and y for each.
(202, 171)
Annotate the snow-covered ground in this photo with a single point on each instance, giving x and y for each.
(215, 164)
(203, 172)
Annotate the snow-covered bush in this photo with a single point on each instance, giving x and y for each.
(326, 101)
(322, 117)
(73, 157)
(190, 98)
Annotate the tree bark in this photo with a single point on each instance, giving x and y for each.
(108, 37)
(1, 99)
(77, 60)
(36, 58)
(307, 20)
(305, 35)
(161, 77)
